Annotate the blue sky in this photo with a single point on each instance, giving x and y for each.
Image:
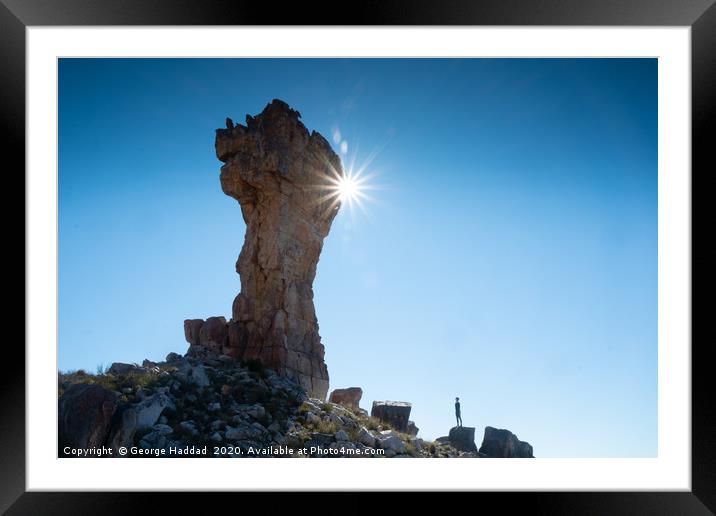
(509, 256)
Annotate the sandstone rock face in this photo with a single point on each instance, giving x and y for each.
(84, 416)
(213, 334)
(281, 176)
(349, 397)
(503, 443)
(394, 413)
(191, 330)
(462, 438)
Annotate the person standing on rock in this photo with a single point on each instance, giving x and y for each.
(457, 412)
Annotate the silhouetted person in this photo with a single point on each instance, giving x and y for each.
(457, 412)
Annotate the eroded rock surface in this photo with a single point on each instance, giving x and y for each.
(501, 443)
(84, 415)
(349, 397)
(280, 173)
(394, 413)
(462, 438)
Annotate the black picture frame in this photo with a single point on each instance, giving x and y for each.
(700, 15)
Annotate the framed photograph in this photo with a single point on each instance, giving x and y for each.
(455, 235)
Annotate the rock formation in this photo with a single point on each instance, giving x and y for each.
(498, 443)
(462, 438)
(349, 397)
(84, 416)
(393, 413)
(281, 175)
(412, 429)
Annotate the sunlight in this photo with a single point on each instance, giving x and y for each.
(348, 184)
(348, 188)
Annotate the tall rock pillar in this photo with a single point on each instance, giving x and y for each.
(281, 176)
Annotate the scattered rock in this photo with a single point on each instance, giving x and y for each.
(389, 440)
(149, 409)
(256, 411)
(163, 429)
(199, 376)
(242, 433)
(365, 437)
(190, 427)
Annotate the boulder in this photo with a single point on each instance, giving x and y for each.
(389, 440)
(213, 335)
(241, 433)
(121, 369)
(149, 409)
(173, 357)
(319, 439)
(84, 416)
(349, 397)
(412, 429)
(191, 331)
(124, 426)
(189, 427)
(499, 443)
(462, 438)
(365, 437)
(393, 413)
(198, 376)
(283, 177)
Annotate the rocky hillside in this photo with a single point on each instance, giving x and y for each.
(194, 407)
(204, 407)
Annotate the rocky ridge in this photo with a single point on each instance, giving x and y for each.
(242, 408)
(229, 409)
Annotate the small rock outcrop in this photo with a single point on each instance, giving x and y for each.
(84, 416)
(283, 177)
(501, 443)
(393, 413)
(462, 438)
(412, 429)
(349, 397)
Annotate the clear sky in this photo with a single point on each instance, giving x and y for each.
(509, 256)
